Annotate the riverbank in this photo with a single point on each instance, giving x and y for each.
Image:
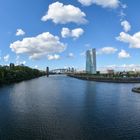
(16, 74)
(106, 79)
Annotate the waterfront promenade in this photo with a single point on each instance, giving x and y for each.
(110, 79)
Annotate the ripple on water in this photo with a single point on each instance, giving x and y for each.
(64, 108)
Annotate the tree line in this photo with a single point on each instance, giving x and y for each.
(12, 74)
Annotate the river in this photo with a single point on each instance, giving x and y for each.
(64, 108)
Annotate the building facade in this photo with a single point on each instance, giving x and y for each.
(91, 61)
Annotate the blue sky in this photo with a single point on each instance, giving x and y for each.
(54, 33)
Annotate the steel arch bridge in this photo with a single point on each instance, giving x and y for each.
(62, 71)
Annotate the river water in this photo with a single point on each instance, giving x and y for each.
(64, 108)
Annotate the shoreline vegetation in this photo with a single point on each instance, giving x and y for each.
(13, 74)
(107, 78)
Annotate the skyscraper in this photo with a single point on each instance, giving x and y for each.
(91, 61)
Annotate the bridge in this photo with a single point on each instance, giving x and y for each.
(60, 71)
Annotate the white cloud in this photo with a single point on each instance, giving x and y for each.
(122, 14)
(23, 62)
(53, 57)
(60, 13)
(35, 66)
(86, 2)
(132, 40)
(75, 33)
(70, 55)
(123, 54)
(107, 50)
(6, 58)
(18, 61)
(126, 67)
(65, 32)
(126, 25)
(20, 32)
(39, 46)
(103, 3)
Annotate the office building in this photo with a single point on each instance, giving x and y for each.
(12, 65)
(91, 61)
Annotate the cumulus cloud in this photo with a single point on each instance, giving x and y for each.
(107, 50)
(6, 58)
(132, 40)
(123, 54)
(39, 46)
(65, 32)
(86, 2)
(75, 33)
(60, 13)
(103, 3)
(20, 32)
(126, 25)
(53, 57)
(70, 55)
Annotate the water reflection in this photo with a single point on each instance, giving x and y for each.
(59, 107)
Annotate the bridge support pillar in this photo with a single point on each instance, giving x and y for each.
(47, 71)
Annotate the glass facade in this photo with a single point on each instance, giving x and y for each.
(91, 61)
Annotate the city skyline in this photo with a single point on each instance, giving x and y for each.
(39, 37)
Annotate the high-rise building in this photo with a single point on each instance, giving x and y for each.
(91, 61)
(12, 65)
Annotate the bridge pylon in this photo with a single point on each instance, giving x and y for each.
(47, 71)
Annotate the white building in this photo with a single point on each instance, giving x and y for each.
(91, 61)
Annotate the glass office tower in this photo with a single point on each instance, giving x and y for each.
(91, 61)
